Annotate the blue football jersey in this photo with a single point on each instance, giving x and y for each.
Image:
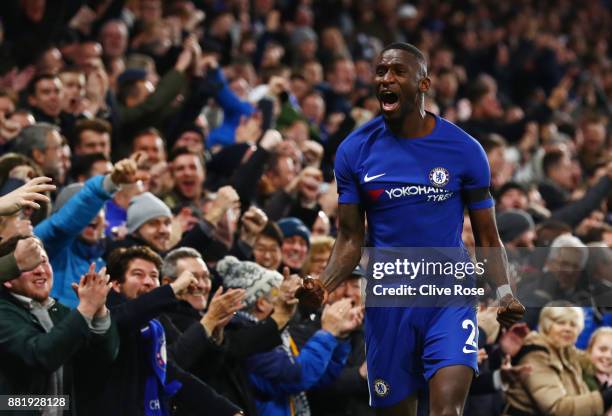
(411, 188)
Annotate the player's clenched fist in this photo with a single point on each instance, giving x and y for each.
(312, 293)
(510, 311)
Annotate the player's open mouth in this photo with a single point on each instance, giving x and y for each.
(389, 101)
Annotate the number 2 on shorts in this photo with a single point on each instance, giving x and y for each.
(471, 346)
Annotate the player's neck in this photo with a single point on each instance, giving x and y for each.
(415, 124)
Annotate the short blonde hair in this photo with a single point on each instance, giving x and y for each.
(604, 330)
(557, 310)
(318, 244)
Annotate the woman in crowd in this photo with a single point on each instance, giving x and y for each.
(555, 386)
(598, 368)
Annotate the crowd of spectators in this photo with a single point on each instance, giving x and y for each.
(191, 147)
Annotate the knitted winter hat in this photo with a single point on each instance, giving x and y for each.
(292, 226)
(145, 207)
(512, 223)
(256, 280)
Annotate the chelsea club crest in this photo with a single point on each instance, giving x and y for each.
(381, 387)
(439, 177)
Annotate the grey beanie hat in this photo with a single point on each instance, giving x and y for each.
(256, 280)
(145, 207)
(65, 194)
(512, 223)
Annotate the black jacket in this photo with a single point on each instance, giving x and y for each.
(554, 196)
(573, 212)
(64, 121)
(188, 344)
(124, 380)
(220, 366)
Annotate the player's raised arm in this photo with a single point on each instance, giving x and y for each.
(490, 247)
(347, 249)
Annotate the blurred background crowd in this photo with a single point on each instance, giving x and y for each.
(192, 143)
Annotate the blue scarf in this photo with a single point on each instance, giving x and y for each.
(156, 390)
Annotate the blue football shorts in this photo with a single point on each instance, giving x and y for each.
(405, 347)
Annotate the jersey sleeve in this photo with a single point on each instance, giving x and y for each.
(477, 179)
(348, 188)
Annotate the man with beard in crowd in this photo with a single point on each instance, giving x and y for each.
(47, 347)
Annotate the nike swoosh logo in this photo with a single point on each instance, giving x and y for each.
(371, 178)
(468, 351)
